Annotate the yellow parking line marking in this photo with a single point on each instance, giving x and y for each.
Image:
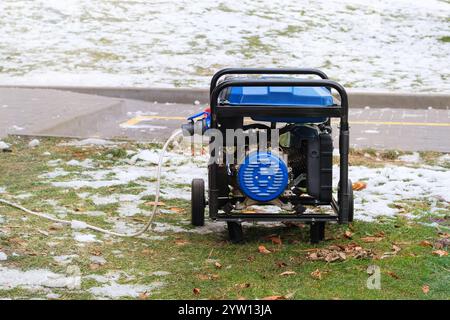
(136, 120)
(400, 123)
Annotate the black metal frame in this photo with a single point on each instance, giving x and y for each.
(219, 112)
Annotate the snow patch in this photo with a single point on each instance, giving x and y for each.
(97, 260)
(160, 273)
(65, 259)
(87, 163)
(116, 290)
(90, 142)
(76, 224)
(80, 237)
(410, 158)
(394, 183)
(35, 279)
(34, 143)
(4, 145)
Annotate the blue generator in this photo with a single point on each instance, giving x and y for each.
(276, 150)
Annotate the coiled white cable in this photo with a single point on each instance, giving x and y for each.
(91, 227)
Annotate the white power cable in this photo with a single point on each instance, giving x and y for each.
(88, 226)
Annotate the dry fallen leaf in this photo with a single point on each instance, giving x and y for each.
(181, 242)
(371, 239)
(176, 209)
(348, 234)
(426, 243)
(316, 274)
(94, 266)
(263, 249)
(274, 298)
(196, 291)
(393, 275)
(95, 252)
(217, 265)
(288, 273)
(275, 239)
(440, 253)
(359, 185)
(143, 295)
(152, 203)
(425, 289)
(203, 276)
(281, 264)
(243, 285)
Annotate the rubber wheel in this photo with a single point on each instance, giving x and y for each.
(350, 201)
(198, 202)
(235, 232)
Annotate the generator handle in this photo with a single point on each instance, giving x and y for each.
(283, 83)
(302, 71)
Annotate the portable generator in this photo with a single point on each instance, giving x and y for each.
(292, 175)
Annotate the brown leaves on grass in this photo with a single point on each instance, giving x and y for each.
(262, 249)
(96, 252)
(152, 203)
(176, 209)
(371, 239)
(181, 242)
(339, 253)
(243, 285)
(395, 249)
(440, 253)
(316, 274)
(275, 239)
(205, 277)
(375, 238)
(425, 243)
(348, 234)
(143, 295)
(393, 275)
(196, 291)
(94, 266)
(425, 289)
(274, 298)
(217, 265)
(359, 185)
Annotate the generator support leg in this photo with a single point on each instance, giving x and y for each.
(317, 232)
(235, 232)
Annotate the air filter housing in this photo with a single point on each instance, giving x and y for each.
(263, 176)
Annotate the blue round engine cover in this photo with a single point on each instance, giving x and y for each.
(263, 176)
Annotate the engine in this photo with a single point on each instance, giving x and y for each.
(302, 165)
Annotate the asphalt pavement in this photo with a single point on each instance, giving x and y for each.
(45, 112)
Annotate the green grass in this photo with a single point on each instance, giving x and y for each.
(445, 39)
(190, 257)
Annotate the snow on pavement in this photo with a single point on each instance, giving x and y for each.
(396, 45)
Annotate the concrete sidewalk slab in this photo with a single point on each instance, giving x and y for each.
(40, 111)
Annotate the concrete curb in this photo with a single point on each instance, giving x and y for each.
(357, 99)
